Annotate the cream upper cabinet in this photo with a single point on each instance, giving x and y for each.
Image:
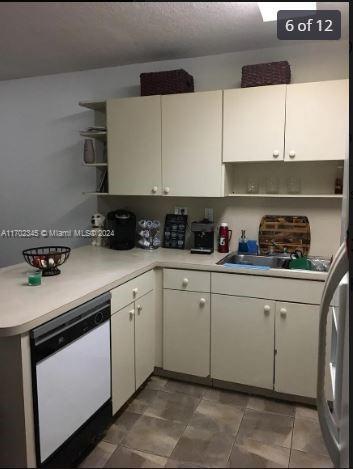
(253, 123)
(192, 144)
(144, 337)
(134, 145)
(186, 338)
(297, 334)
(317, 121)
(242, 339)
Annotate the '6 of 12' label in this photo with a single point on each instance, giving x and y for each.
(309, 24)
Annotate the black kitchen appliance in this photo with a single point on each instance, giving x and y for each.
(123, 224)
(71, 378)
(174, 231)
(203, 237)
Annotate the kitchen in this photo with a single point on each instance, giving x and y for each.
(137, 350)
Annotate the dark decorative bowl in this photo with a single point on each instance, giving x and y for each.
(47, 258)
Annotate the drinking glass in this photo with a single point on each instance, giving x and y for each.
(252, 186)
(293, 185)
(272, 185)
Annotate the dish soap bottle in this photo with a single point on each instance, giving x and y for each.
(243, 243)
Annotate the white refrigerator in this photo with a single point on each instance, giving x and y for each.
(334, 417)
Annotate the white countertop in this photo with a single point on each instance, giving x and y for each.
(91, 271)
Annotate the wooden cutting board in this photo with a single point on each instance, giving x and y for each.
(287, 231)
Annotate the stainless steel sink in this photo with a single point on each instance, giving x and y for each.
(275, 262)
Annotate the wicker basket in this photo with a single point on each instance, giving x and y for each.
(169, 82)
(273, 73)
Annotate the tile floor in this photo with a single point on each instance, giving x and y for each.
(175, 424)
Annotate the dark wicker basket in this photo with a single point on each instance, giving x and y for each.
(272, 73)
(47, 258)
(169, 82)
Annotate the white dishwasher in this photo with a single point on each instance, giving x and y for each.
(71, 382)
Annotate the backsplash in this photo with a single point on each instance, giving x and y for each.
(324, 215)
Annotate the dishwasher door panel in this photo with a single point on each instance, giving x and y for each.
(72, 384)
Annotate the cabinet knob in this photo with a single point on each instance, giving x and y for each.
(166, 190)
(139, 309)
(132, 314)
(135, 291)
(202, 301)
(292, 154)
(185, 282)
(154, 189)
(275, 153)
(283, 312)
(267, 309)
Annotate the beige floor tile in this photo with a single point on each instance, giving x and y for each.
(253, 454)
(308, 460)
(217, 417)
(142, 400)
(269, 428)
(307, 437)
(173, 463)
(129, 458)
(154, 435)
(99, 456)
(175, 406)
(204, 447)
(120, 427)
(226, 397)
(306, 412)
(194, 390)
(156, 382)
(262, 404)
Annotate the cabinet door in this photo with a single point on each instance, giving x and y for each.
(134, 145)
(123, 356)
(187, 332)
(253, 125)
(144, 337)
(317, 121)
(192, 144)
(297, 336)
(242, 340)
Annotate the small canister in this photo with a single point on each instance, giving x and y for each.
(224, 236)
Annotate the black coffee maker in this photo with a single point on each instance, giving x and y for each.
(123, 224)
(203, 236)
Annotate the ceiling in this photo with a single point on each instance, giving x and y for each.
(40, 38)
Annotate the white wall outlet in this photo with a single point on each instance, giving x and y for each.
(180, 210)
(209, 213)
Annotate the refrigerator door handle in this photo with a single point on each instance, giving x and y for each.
(329, 425)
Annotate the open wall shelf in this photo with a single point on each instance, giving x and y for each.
(317, 178)
(99, 135)
(96, 165)
(290, 196)
(94, 105)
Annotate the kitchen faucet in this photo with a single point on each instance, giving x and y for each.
(274, 244)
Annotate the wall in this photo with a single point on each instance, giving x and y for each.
(323, 215)
(41, 176)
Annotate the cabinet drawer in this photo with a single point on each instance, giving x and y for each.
(188, 280)
(274, 288)
(131, 290)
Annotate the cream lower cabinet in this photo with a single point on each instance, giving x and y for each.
(297, 329)
(133, 348)
(186, 334)
(242, 340)
(144, 337)
(123, 356)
